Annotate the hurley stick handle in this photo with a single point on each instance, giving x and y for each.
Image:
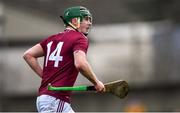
(74, 88)
(91, 88)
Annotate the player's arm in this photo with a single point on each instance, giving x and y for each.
(84, 67)
(31, 55)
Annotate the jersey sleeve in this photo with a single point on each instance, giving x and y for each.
(81, 44)
(43, 44)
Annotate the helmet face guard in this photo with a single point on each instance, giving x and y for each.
(76, 12)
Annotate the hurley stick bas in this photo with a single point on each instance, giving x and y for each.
(119, 88)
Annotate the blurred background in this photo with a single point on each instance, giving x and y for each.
(134, 40)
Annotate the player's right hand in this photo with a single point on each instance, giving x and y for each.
(100, 87)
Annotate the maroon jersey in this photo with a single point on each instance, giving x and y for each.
(59, 68)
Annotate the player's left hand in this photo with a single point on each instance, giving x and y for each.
(100, 87)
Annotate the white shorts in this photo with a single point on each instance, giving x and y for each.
(49, 104)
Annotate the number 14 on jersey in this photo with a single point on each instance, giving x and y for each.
(55, 55)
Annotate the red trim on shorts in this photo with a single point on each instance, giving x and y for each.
(60, 106)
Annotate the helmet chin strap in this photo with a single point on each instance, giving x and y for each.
(68, 23)
(77, 25)
(73, 26)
